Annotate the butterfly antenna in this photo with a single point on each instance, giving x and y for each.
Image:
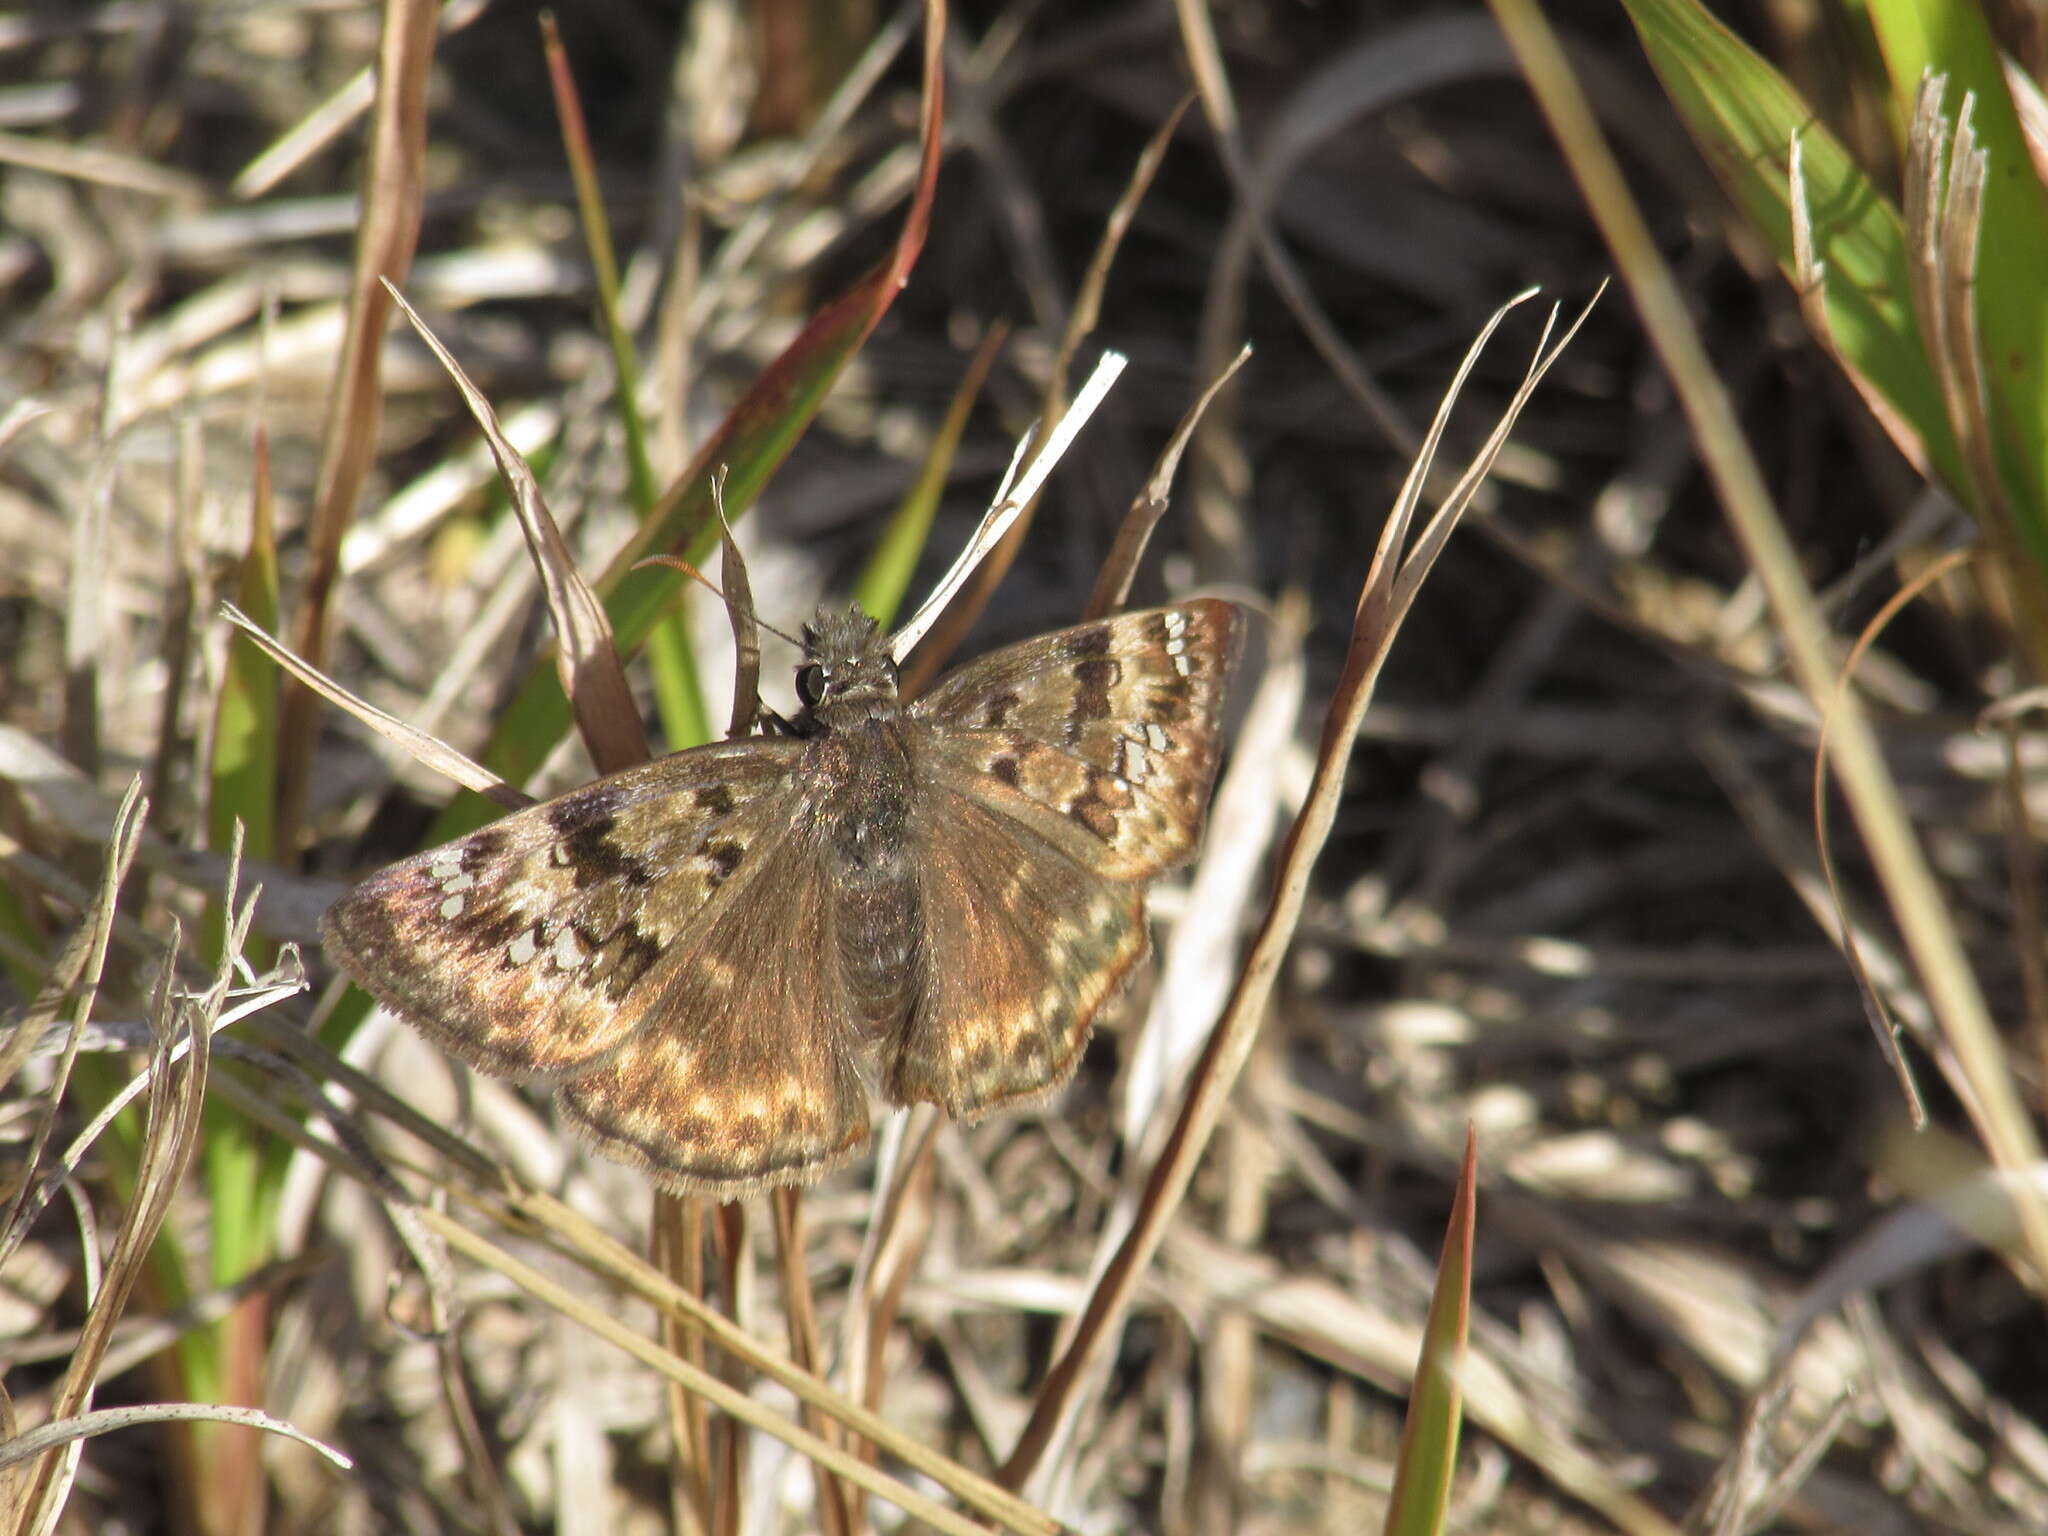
(678, 563)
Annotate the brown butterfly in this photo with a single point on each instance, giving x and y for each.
(713, 954)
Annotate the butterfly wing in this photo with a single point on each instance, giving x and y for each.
(1103, 736)
(742, 1073)
(528, 946)
(1023, 945)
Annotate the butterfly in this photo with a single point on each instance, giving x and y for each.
(715, 955)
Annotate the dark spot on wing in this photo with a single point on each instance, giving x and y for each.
(724, 857)
(1095, 677)
(482, 847)
(1166, 707)
(1005, 768)
(995, 714)
(1090, 642)
(715, 798)
(1097, 811)
(624, 960)
(593, 856)
(483, 929)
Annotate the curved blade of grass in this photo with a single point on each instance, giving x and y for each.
(1429, 1435)
(677, 692)
(886, 577)
(46, 1437)
(752, 442)
(1743, 115)
(586, 661)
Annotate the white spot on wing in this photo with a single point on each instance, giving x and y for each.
(523, 948)
(452, 907)
(567, 953)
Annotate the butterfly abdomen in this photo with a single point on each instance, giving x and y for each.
(873, 866)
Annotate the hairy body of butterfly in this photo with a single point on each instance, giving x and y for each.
(712, 954)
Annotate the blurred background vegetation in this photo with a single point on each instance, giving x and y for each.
(1572, 898)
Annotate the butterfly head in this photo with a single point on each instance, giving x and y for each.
(847, 674)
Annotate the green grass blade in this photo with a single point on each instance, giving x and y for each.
(678, 693)
(1743, 115)
(1429, 1436)
(243, 1169)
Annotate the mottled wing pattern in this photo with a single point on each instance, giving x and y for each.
(527, 948)
(1022, 948)
(1103, 736)
(741, 1073)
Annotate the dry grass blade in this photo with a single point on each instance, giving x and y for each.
(321, 126)
(916, 644)
(105, 167)
(1389, 589)
(47, 1437)
(1113, 581)
(79, 968)
(170, 1136)
(617, 1263)
(1881, 1024)
(430, 750)
(393, 195)
(800, 1314)
(1205, 60)
(585, 657)
(737, 1404)
(84, 608)
(1943, 210)
(746, 627)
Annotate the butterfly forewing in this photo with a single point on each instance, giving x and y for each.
(1022, 946)
(525, 946)
(742, 1072)
(1109, 729)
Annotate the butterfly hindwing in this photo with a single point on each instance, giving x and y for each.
(1108, 729)
(525, 946)
(742, 1073)
(1022, 947)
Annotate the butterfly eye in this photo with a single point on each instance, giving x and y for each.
(810, 684)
